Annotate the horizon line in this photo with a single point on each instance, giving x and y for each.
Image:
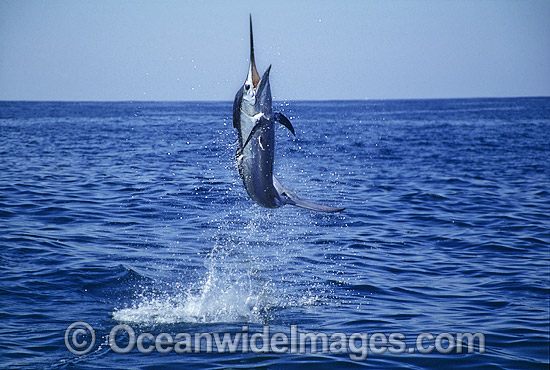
(285, 100)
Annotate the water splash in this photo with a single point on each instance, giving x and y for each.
(243, 282)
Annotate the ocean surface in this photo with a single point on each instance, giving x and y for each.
(133, 213)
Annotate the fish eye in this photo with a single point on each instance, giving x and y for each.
(246, 86)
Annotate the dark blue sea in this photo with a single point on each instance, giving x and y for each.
(133, 213)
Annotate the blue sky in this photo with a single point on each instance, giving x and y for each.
(183, 50)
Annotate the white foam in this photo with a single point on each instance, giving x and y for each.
(242, 283)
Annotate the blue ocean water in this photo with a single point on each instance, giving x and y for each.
(134, 213)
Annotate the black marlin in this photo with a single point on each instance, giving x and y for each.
(254, 120)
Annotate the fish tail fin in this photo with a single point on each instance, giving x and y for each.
(291, 198)
(298, 202)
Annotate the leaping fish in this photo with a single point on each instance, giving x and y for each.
(254, 119)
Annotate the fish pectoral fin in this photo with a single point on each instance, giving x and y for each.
(262, 121)
(289, 197)
(279, 117)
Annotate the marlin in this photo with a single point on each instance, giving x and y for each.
(254, 119)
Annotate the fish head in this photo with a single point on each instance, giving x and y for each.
(251, 85)
(256, 96)
(253, 78)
